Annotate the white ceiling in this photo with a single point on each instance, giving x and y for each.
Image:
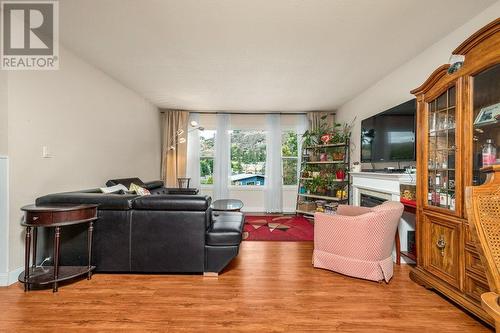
(255, 55)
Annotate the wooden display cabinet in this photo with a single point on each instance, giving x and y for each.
(457, 111)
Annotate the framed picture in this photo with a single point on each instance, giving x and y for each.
(487, 115)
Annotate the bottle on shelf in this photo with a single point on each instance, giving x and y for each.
(443, 195)
(489, 153)
(452, 201)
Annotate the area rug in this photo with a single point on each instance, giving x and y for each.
(277, 228)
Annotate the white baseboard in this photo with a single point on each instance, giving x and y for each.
(6, 279)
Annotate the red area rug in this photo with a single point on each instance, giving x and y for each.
(277, 228)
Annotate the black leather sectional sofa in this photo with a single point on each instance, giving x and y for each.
(159, 233)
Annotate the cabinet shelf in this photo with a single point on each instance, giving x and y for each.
(326, 162)
(305, 212)
(324, 197)
(332, 180)
(441, 130)
(441, 169)
(331, 145)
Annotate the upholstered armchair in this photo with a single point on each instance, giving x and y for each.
(357, 241)
(483, 210)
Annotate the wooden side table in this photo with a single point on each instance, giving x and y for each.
(54, 216)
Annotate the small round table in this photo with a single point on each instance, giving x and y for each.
(54, 216)
(227, 205)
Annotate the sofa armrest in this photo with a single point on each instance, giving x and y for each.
(105, 201)
(173, 202)
(347, 210)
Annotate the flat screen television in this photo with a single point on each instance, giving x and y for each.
(390, 135)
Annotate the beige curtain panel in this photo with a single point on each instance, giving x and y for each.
(174, 146)
(315, 119)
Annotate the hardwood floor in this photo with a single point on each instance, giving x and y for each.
(270, 287)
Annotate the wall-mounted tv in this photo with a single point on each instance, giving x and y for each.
(390, 135)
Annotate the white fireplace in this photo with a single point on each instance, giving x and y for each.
(377, 186)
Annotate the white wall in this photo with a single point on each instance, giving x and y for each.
(4, 176)
(95, 128)
(395, 88)
(3, 113)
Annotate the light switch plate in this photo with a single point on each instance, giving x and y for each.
(45, 152)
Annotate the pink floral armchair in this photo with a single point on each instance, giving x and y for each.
(357, 241)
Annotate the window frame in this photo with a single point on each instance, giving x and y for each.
(249, 187)
(297, 160)
(202, 156)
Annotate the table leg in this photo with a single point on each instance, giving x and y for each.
(27, 246)
(35, 234)
(89, 239)
(57, 238)
(398, 248)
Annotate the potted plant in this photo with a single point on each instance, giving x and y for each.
(345, 132)
(331, 179)
(309, 139)
(318, 185)
(340, 174)
(338, 155)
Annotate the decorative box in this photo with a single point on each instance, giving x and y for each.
(307, 206)
(408, 191)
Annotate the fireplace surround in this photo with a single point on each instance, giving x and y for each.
(372, 188)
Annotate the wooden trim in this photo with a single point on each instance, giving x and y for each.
(430, 282)
(433, 79)
(479, 36)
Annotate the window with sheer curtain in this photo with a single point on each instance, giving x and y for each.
(248, 149)
(207, 152)
(290, 156)
(248, 157)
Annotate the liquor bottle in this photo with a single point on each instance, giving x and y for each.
(489, 153)
(452, 201)
(442, 198)
(437, 197)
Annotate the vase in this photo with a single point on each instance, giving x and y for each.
(340, 174)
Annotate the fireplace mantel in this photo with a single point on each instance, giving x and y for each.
(386, 183)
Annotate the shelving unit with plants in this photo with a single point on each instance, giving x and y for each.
(324, 175)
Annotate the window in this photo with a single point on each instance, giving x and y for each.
(207, 152)
(289, 155)
(248, 157)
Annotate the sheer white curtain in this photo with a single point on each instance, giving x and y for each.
(193, 153)
(273, 191)
(222, 157)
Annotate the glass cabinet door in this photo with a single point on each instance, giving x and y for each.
(441, 151)
(486, 121)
